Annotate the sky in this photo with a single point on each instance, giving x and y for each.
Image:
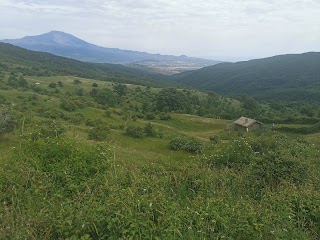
(217, 29)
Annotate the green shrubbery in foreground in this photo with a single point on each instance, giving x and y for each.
(187, 144)
(54, 188)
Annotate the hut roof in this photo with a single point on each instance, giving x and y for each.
(246, 122)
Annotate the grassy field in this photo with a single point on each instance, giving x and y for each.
(256, 185)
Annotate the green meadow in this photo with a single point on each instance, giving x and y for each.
(79, 165)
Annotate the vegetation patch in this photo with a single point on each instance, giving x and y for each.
(187, 144)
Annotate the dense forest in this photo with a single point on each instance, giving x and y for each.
(287, 77)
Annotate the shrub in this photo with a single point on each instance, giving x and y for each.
(94, 85)
(48, 129)
(52, 85)
(80, 92)
(178, 143)
(94, 122)
(272, 169)
(77, 118)
(76, 81)
(7, 122)
(2, 99)
(136, 132)
(214, 139)
(117, 126)
(235, 153)
(151, 131)
(105, 97)
(187, 144)
(99, 133)
(194, 146)
(60, 84)
(150, 116)
(71, 104)
(164, 116)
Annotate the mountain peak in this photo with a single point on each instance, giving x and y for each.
(67, 45)
(55, 38)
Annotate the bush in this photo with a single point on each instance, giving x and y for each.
(150, 131)
(53, 113)
(52, 85)
(235, 153)
(117, 126)
(178, 143)
(77, 118)
(76, 81)
(94, 85)
(272, 169)
(265, 162)
(150, 116)
(99, 133)
(301, 130)
(48, 129)
(2, 99)
(164, 117)
(187, 144)
(7, 122)
(60, 84)
(71, 104)
(135, 132)
(105, 97)
(94, 122)
(214, 139)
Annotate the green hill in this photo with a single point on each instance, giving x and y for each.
(32, 63)
(87, 159)
(286, 77)
(84, 161)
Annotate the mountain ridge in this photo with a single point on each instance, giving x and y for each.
(289, 77)
(30, 62)
(66, 45)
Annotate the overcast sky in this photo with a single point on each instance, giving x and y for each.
(220, 29)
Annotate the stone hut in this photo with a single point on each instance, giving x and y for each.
(246, 124)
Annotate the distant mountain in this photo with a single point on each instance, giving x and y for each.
(66, 45)
(34, 63)
(287, 77)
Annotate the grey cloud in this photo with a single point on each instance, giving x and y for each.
(203, 27)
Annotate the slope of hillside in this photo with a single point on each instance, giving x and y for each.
(45, 64)
(96, 168)
(66, 45)
(289, 77)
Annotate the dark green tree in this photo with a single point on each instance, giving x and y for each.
(171, 100)
(106, 97)
(120, 89)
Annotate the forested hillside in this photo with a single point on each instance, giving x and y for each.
(286, 77)
(44, 64)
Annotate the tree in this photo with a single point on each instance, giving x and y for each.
(171, 100)
(106, 97)
(120, 89)
(16, 82)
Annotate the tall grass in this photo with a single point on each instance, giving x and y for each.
(57, 189)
